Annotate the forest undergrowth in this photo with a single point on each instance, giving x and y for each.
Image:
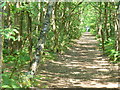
(48, 43)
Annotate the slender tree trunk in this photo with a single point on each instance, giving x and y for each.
(15, 43)
(117, 29)
(106, 19)
(55, 29)
(7, 22)
(41, 40)
(1, 57)
(1, 45)
(101, 29)
(20, 29)
(40, 17)
(29, 29)
(111, 23)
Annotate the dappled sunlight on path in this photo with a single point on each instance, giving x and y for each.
(82, 66)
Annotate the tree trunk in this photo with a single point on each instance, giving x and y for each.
(1, 45)
(7, 23)
(101, 29)
(40, 16)
(106, 19)
(55, 47)
(41, 40)
(1, 57)
(29, 30)
(20, 29)
(117, 29)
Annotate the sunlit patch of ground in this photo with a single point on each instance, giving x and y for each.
(82, 66)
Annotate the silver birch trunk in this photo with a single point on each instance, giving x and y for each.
(41, 40)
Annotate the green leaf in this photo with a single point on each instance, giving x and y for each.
(6, 86)
(3, 4)
(14, 86)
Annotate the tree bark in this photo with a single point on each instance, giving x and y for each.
(21, 17)
(101, 29)
(55, 47)
(106, 19)
(117, 29)
(1, 45)
(1, 57)
(41, 40)
(29, 30)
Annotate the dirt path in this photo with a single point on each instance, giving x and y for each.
(82, 66)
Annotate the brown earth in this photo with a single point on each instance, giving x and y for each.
(82, 66)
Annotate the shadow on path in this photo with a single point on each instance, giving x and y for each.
(83, 65)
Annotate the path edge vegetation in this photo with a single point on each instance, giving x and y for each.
(27, 41)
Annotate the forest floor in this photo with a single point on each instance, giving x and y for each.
(82, 66)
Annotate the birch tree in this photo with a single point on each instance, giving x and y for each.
(41, 40)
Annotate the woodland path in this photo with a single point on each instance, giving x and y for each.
(82, 66)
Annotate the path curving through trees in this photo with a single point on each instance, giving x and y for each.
(82, 66)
